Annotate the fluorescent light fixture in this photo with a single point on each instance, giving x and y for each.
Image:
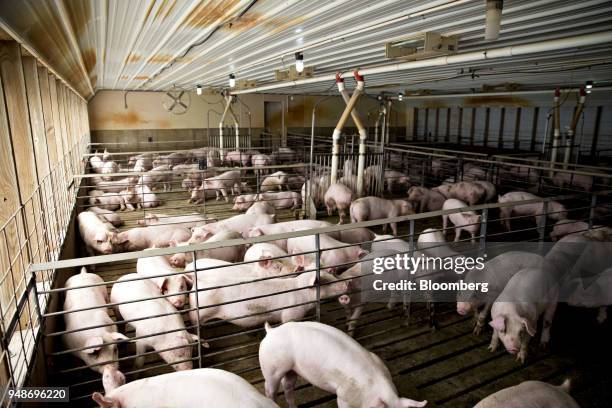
(232, 80)
(299, 62)
(589, 84)
(400, 97)
(199, 89)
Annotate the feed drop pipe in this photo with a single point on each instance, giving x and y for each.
(382, 113)
(348, 110)
(569, 138)
(228, 108)
(556, 131)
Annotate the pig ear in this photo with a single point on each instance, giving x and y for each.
(189, 280)
(531, 330)
(172, 243)
(499, 323)
(264, 262)
(299, 260)
(93, 341)
(103, 401)
(362, 253)
(116, 336)
(164, 286)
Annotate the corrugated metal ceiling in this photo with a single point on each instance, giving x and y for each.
(153, 45)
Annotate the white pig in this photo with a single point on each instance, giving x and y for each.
(109, 201)
(334, 254)
(466, 220)
(160, 236)
(173, 347)
(99, 236)
(375, 208)
(146, 197)
(567, 227)
(330, 360)
(529, 294)
(101, 352)
(424, 199)
(261, 207)
(263, 250)
(107, 216)
(279, 306)
(187, 220)
(338, 197)
(186, 389)
(556, 210)
(173, 283)
(532, 394)
(224, 182)
(158, 175)
(241, 223)
(275, 181)
(395, 179)
(287, 226)
(109, 167)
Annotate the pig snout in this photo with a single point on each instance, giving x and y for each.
(463, 308)
(177, 260)
(177, 301)
(112, 378)
(344, 299)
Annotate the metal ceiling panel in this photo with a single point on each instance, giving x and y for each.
(157, 44)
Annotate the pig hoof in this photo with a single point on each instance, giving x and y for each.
(492, 348)
(477, 330)
(521, 358)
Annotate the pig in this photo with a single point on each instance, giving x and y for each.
(489, 188)
(238, 158)
(465, 220)
(334, 254)
(316, 192)
(200, 194)
(338, 197)
(114, 186)
(106, 155)
(274, 181)
(98, 236)
(279, 306)
(230, 180)
(286, 155)
(109, 167)
(261, 207)
(187, 220)
(532, 394)
(241, 223)
(109, 201)
(332, 361)
(356, 236)
(283, 200)
(556, 210)
(146, 197)
(466, 191)
(436, 168)
(424, 199)
(131, 199)
(160, 174)
(186, 389)
(530, 294)
(244, 202)
(569, 180)
(264, 250)
(259, 268)
(171, 159)
(99, 343)
(595, 295)
(496, 272)
(375, 208)
(294, 183)
(145, 158)
(172, 283)
(395, 179)
(288, 226)
(96, 163)
(140, 166)
(95, 193)
(160, 236)
(107, 216)
(137, 299)
(567, 227)
(261, 160)
(372, 175)
(472, 172)
(349, 181)
(229, 254)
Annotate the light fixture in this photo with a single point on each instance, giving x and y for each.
(232, 80)
(199, 89)
(299, 62)
(400, 96)
(589, 84)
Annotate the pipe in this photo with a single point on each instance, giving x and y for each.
(363, 133)
(493, 19)
(388, 123)
(501, 93)
(341, 122)
(225, 110)
(491, 54)
(381, 114)
(556, 131)
(571, 131)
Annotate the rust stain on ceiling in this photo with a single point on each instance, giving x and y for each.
(496, 101)
(165, 9)
(206, 16)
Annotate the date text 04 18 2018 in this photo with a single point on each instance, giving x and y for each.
(39, 394)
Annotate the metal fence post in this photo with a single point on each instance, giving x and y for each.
(423, 165)
(592, 210)
(542, 226)
(483, 231)
(318, 272)
(197, 305)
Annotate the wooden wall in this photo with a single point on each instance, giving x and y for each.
(43, 132)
